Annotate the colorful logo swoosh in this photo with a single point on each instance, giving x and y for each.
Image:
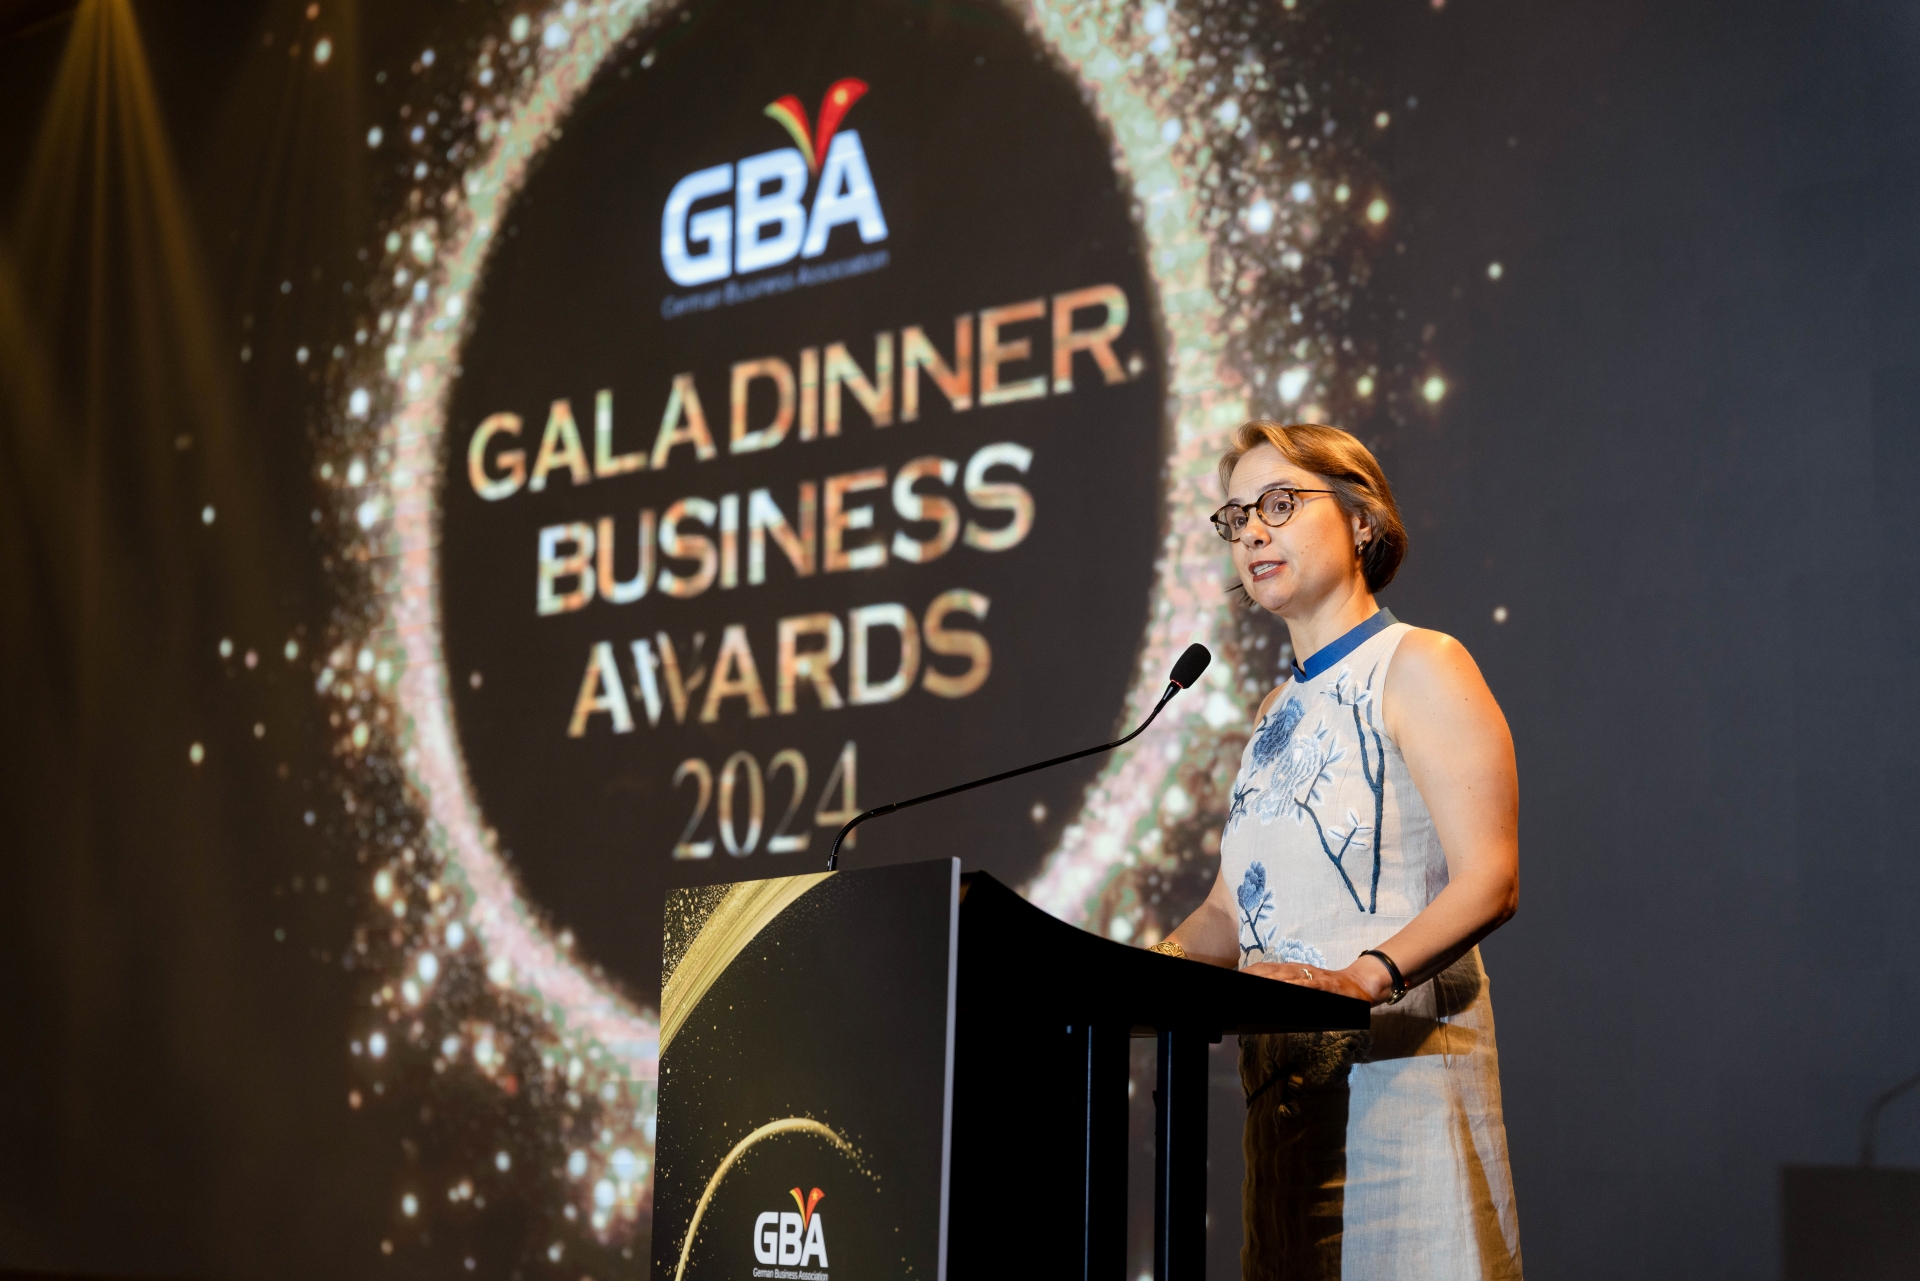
(833, 109)
(806, 1206)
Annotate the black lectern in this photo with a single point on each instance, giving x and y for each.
(906, 1072)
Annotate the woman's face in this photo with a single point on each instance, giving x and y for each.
(1290, 569)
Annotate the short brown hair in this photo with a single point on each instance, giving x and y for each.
(1352, 472)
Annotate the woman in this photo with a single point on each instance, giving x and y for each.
(1371, 843)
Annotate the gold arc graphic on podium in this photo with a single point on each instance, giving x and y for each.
(786, 1125)
(734, 922)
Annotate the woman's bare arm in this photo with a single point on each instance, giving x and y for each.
(1212, 933)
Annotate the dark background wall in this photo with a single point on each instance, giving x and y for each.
(1683, 450)
(1687, 470)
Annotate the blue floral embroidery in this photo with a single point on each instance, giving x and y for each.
(1373, 768)
(1276, 732)
(1253, 889)
(1301, 774)
(1238, 809)
(1298, 952)
(1299, 770)
(1255, 900)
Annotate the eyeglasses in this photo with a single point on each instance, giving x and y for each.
(1276, 508)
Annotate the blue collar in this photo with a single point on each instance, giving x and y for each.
(1327, 655)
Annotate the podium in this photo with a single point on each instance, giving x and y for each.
(911, 1073)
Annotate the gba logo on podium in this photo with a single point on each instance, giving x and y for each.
(791, 1240)
(768, 224)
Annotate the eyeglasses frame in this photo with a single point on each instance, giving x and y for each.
(1220, 528)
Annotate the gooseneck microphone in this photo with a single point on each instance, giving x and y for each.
(1184, 674)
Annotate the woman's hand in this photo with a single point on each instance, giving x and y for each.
(1363, 980)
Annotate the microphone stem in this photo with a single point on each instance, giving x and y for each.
(833, 858)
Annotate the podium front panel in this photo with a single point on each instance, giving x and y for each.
(806, 1077)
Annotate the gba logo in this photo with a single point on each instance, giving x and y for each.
(768, 223)
(783, 1237)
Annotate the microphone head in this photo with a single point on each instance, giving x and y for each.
(1191, 665)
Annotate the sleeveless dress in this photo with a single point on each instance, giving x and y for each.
(1381, 1155)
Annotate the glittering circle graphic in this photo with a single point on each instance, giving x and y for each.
(1253, 203)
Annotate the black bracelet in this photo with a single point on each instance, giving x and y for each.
(1393, 972)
